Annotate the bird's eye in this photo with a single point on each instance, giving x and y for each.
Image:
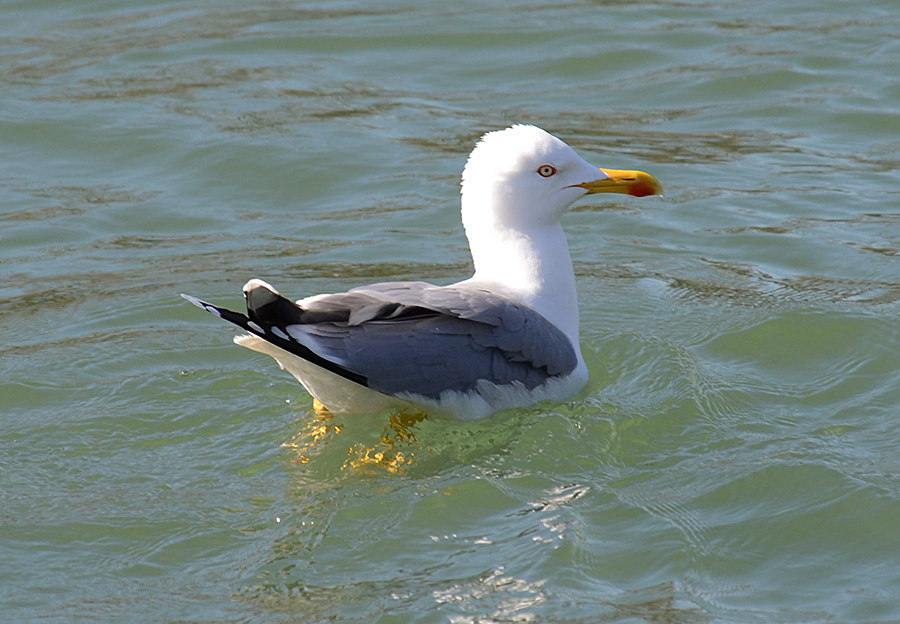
(546, 170)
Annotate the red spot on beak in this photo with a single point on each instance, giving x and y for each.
(641, 189)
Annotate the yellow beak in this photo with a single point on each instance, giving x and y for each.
(634, 183)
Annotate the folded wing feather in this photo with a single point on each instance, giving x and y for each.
(413, 337)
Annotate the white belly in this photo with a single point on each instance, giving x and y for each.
(338, 394)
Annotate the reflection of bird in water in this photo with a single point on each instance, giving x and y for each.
(506, 337)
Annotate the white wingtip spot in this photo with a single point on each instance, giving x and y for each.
(193, 300)
(201, 304)
(277, 331)
(255, 327)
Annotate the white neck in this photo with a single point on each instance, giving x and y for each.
(535, 267)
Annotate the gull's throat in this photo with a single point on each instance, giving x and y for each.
(534, 267)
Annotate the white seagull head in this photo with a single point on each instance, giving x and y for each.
(523, 177)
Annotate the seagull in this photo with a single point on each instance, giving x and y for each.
(506, 337)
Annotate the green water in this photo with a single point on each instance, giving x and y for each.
(735, 457)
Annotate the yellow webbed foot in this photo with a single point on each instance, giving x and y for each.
(396, 449)
(312, 434)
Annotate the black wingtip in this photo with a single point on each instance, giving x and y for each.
(203, 305)
(266, 330)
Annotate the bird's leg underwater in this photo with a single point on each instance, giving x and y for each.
(389, 453)
(320, 408)
(401, 424)
(311, 434)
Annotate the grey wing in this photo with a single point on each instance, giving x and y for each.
(424, 339)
